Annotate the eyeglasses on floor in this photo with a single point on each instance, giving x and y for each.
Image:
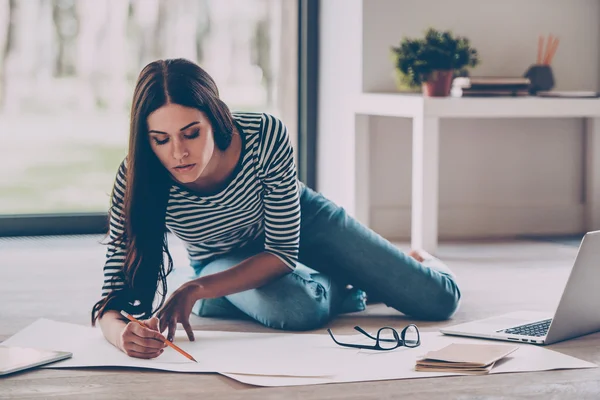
(387, 338)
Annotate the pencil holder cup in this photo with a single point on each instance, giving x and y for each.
(541, 78)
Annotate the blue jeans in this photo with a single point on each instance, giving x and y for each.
(335, 251)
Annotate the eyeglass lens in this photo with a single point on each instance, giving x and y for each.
(411, 336)
(387, 339)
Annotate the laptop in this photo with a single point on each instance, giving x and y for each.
(577, 313)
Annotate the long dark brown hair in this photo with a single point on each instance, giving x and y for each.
(148, 261)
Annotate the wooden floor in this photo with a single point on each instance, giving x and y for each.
(60, 279)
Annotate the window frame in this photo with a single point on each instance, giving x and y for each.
(307, 94)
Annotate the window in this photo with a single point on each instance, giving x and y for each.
(67, 71)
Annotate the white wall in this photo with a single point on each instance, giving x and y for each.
(497, 177)
(504, 32)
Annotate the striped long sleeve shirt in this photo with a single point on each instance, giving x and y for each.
(260, 200)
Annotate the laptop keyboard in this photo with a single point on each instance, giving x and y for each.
(535, 329)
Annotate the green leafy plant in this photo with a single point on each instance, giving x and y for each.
(416, 59)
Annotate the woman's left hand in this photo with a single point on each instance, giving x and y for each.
(177, 309)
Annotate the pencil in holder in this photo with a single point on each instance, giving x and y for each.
(541, 78)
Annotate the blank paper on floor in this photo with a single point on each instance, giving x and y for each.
(276, 359)
(370, 365)
(281, 354)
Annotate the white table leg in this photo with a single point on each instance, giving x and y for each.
(425, 171)
(592, 174)
(361, 169)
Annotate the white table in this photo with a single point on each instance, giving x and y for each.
(426, 114)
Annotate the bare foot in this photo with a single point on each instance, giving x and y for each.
(415, 254)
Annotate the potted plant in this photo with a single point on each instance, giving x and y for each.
(432, 61)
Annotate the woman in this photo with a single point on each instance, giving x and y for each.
(226, 185)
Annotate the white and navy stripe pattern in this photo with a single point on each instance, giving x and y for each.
(262, 200)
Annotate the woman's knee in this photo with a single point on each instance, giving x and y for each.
(437, 300)
(300, 308)
(445, 296)
(294, 302)
(445, 302)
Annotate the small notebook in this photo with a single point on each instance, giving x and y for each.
(464, 358)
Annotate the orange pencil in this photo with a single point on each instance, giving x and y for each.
(132, 319)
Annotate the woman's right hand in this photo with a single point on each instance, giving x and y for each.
(142, 342)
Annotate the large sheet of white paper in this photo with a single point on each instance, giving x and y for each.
(281, 354)
(368, 365)
(275, 359)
